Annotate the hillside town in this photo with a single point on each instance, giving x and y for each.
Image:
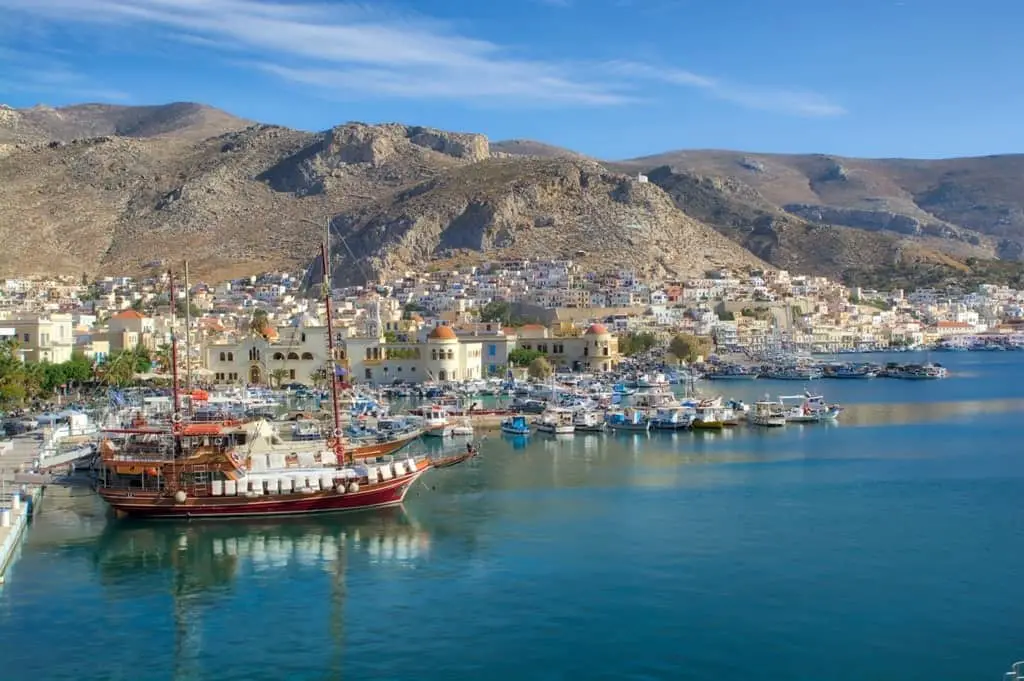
(468, 324)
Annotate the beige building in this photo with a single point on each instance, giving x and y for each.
(44, 338)
(595, 350)
(285, 355)
(128, 329)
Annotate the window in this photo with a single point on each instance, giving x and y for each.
(291, 374)
(303, 336)
(307, 355)
(492, 349)
(433, 354)
(223, 356)
(604, 351)
(451, 354)
(369, 353)
(293, 355)
(231, 357)
(27, 337)
(278, 356)
(586, 350)
(369, 374)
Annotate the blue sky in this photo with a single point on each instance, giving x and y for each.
(612, 78)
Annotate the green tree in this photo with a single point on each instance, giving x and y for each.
(258, 323)
(179, 309)
(687, 348)
(522, 357)
(496, 311)
(277, 377)
(636, 343)
(540, 368)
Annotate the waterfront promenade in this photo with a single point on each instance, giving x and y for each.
(16, 457)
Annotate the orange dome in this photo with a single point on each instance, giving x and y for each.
(268, 332)
(442, 333)
(597, 330)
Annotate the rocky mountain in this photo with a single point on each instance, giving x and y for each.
(103, 189)
(45, 124)
(963, 202)
(252, 198)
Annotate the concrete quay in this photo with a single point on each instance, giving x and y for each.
(17, 499)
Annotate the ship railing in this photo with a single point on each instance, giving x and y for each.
(1016, 672)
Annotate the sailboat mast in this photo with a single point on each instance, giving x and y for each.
(176, 416)
(188, 333)
(339, 448)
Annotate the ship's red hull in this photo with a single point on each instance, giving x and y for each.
(154, 506)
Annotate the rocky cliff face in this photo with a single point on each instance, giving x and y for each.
(533, 208)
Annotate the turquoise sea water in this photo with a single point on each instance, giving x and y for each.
(888, 546)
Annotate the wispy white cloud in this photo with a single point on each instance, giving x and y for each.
(365, 50)
(778, 100)
(45, 74)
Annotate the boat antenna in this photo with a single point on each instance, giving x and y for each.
(335, 441)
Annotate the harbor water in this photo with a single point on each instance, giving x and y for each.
(887, 546)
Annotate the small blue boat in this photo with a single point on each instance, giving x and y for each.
(515, 425)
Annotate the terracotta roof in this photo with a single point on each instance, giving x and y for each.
(532, 327)
(129, 314)
(442, 333)
(597, 330)
(953, 325)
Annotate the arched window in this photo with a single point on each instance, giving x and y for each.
(303, 336)
(307, 355)
(231, 357)
(293, 355)
(433, 354)
(451, 354)
(223, 356)
(278, 356)
(369, 353)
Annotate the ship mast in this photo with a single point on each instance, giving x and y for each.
(337, 445)
(176, 414)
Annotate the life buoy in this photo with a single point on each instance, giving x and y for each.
(176, 429)
(218, 441)
(337, 433)
(331, 442)
(176, 417)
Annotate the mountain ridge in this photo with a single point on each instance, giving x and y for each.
(102, 188)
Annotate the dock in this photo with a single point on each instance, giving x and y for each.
(18, 495)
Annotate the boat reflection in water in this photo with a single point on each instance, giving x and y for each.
(206, 564)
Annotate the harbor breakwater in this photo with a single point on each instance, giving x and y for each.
(14, 517)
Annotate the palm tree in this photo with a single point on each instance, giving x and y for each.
(277, 377)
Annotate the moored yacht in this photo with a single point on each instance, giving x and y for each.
(556, 421)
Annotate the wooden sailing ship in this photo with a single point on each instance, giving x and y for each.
(229, 469)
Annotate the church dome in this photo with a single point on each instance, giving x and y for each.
(597, 330)
(442, 333)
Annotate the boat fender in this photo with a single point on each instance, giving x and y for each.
(340, 489)
(353, 487)
(180, 496)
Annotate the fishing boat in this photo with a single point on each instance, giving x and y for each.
(708, 415)
(811, 409)
(675, 417)
(463, 428)
(556, 421)
(768, 414)
(436, 422)
(588, 421)
(515, 425)
(229, 469)
(454, 459)
(629, 420)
